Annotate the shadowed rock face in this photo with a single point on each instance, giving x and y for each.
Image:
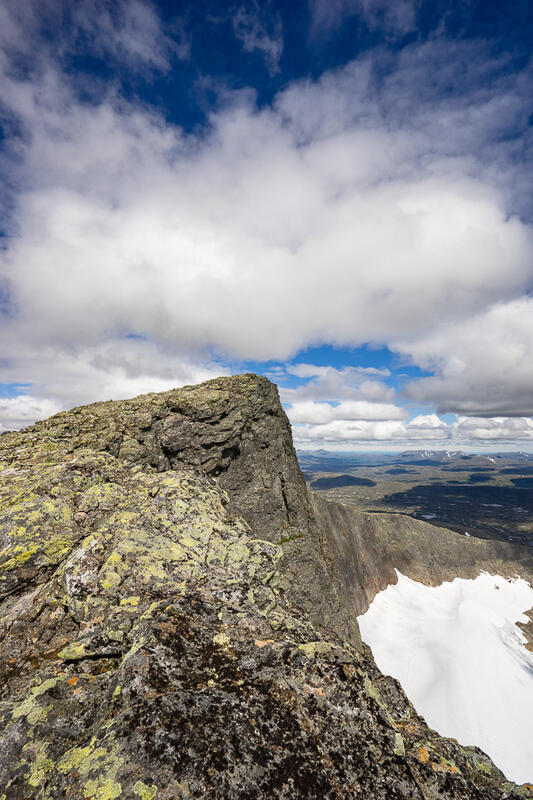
(178, 615)
(367, 548)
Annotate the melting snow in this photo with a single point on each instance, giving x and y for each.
(461, 660)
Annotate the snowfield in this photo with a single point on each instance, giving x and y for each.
(462, 661)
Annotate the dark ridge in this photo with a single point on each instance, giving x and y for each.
(523, 483)
(422, 462)
(339, 481)
(525, 470)
(468, 469)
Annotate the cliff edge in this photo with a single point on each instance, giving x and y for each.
(177, 614)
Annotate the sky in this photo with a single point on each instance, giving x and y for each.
(335, 194)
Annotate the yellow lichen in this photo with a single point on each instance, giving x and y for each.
(144, 791)
(73, 652)
(102, 789)
(81, 759)
(132, 601)
(311, 649)
(221, 640)
(29, 708)
(40, 767)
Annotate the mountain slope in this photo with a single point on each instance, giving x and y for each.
(178, 616)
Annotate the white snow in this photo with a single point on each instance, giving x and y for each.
(461, 660)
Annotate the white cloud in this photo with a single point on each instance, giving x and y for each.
(108, 371)
(262, 32)
(484, 363)
(21, 410)
(423, 431)
(130, 32)
(500, 428)
(353, 210)
(396, 16)
(344, 433)
(302, 370)
(329, 383)
(321, 413)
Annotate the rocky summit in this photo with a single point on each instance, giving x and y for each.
(178, 614)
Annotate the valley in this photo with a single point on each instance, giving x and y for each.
(487, 496)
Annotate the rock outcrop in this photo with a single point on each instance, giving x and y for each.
(367, 548)
(178, 615)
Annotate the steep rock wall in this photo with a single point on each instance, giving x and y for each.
(365, 549)
(163, 638)
(335, 559)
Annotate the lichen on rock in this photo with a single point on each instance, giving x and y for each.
(170, 627)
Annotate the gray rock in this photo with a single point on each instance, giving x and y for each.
(177, 614)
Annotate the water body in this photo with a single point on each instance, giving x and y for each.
(462, 661)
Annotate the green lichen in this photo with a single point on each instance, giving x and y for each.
(144, 791)
(286, 539)
(516, 791)
(311, 649)
(102, 789)
(73, 652)
(82, 759)
(99, 765)
(40, 767)
(47, 553)
(20, 555)
(30, 708)
(221, 640)
(373, 692)
(132, 601)
(110, 580)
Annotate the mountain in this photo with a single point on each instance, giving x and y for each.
(178, 614)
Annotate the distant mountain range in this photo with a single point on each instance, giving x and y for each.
(326, 460)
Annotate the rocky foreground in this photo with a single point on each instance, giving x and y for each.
(178, 614)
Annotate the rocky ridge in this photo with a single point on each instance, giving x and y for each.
(178, 614)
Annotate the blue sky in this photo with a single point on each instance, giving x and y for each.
(334, 194)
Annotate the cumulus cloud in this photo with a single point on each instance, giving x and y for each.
(484, 365)
(473, 429)
(423, 431)
(322, 413)
(111, 370)
(329, 383)
(21, 410)
(344, 434)
(372, 205)
(325, 374)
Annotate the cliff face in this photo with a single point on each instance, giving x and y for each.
(178, 616)
(367, 548)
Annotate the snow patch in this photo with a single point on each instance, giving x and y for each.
(462, 661)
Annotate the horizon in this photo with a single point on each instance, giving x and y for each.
(335, 195)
